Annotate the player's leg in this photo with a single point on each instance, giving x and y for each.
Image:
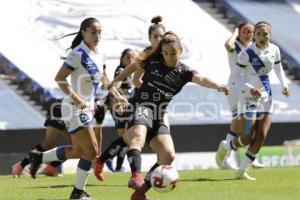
(263, 126)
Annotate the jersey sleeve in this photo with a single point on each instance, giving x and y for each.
(279, 69)
(118, 71)
(72, 61)
(242, 59)
(188, 74)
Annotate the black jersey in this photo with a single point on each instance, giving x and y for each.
(161, 83)
(127, 85)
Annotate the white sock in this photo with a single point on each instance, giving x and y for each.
(229, 137)
(50, 155)
(81, 178)
(246, 163)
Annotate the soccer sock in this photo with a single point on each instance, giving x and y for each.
(112, 150)
(148, 176)
(55, 154)
(56, 163)
(82, 173)
(26, 160)
(249, 158)
(121, 157)
(230, 135)
(135, 160)
(232, 145)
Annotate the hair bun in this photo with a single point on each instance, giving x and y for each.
(156, 19)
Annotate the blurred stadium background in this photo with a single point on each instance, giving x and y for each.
(30, 57)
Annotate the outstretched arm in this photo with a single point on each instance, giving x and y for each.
(206, 82)
(229, 44)
(125, 73)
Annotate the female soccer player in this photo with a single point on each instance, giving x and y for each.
(55, 128)
(256, 62)
(84, 65)
(164, 77)
(241, 38)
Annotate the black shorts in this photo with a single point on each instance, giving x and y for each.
(145, 116)
(100, 113)
(53, 116)
(120, 120)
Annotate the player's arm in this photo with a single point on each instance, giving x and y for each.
(125, 73)
(229, 44)
(104, 79)
(61, 80)
(206, 82)
(137, 78)
(280, 74)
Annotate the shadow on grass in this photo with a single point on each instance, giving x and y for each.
(71, 186)
(206, 180)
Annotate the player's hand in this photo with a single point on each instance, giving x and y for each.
(255, 93)
(80, 104)
(225, 90)
(286, 91)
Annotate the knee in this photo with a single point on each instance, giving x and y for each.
(167, 158)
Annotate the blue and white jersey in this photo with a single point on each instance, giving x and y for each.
(232, 59)
(87, 68)
(256, 66)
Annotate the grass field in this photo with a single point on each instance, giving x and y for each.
(271, 184)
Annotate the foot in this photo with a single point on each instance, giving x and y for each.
(220, 155)
(98, 170)
(257, 165)
(80, 194)
(242, 175)
(109, 164)
(136, 181)
(228, 165)
(137, 195)
(16, 170)
(49, 170)
(36, 159)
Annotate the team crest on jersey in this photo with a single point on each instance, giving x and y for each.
(83, 117)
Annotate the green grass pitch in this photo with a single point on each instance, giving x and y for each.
(271, 184)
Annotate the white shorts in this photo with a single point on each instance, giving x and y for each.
(233, 99)
(74, 118)
(251, 105)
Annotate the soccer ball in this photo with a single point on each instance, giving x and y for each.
(164, 178)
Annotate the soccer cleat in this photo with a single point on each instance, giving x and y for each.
(136, 181)
(98, 169)
(257, 165)
(49, 170)
(79, 195)
(228, 165)
(220, 155)
(109, 164)
(242, 175)
(36, 159)
(16, 170)
(137, 195)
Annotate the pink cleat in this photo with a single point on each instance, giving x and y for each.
(98, 169)
(16, 170)
(136, 181)
(49, 170)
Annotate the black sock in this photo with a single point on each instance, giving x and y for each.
(113, 149)
(56, 163)
(148, 175)
(233, 133)
(135, 160)
(121, 157)
(26, 161)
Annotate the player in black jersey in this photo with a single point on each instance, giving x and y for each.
(55, 128)
(164, 77)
